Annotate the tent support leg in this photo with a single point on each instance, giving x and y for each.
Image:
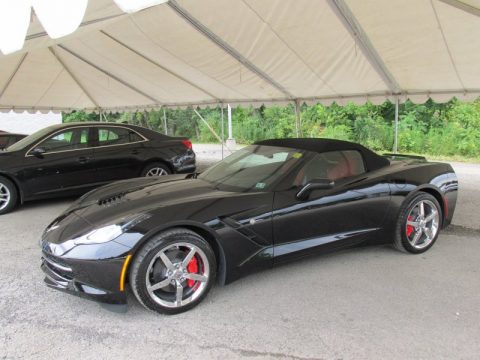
(223, 129)
(395, 142)
(298, 119)
(207, 125)
(165, 121)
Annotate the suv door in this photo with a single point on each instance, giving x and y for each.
(348, 213)
(118, 153)
(64, 165)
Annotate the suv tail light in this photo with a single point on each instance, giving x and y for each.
(187, 143)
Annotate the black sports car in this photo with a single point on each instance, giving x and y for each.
(271, 202)
(71, 159)
(8, 139)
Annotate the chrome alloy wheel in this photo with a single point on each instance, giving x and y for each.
(177, 275)
(156, 171)
(422, 224)
(4, 196)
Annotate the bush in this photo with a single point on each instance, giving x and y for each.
(446, 129)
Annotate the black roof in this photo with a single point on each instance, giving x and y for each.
(12, 134)
(143, 130)
(373, 161)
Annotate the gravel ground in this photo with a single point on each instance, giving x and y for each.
(367, 303)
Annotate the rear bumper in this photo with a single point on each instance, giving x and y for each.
(184, 163)
(93, 280)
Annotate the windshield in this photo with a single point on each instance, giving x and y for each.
(253, 168)
(31, 139)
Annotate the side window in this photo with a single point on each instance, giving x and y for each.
(333, 165)
(116, 136)
(71, 139)
(12, 140)
(134, 137)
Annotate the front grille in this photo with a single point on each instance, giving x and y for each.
(56, 262)
(56, 270)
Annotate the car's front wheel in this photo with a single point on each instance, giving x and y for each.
(419, 224)
(8, 195)
(173, 272)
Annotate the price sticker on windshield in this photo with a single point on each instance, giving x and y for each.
(297, 155)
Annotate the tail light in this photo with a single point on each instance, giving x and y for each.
(187, 143)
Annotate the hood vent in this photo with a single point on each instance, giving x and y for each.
(112, 200)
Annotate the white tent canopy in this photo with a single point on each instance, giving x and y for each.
(208, 52)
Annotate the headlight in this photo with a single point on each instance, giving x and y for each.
(110, 232)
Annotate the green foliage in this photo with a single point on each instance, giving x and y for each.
(79, 116)
(448, 129)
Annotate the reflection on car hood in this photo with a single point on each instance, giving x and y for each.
(120, 188)
(141, 195)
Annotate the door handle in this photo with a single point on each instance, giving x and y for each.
(83, 159)
(135, 152)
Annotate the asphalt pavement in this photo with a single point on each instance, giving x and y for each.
(366, 303)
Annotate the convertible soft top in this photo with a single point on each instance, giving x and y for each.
(372, 160)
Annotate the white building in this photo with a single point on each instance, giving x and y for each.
(26, 123)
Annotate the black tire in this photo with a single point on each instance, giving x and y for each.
(156, 166)
(167, 241)
(402, 242)
(8, 195)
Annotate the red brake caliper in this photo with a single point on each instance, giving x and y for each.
(410, 228)
(192, 267)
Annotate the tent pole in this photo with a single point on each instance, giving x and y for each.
(298, 120)
(207, 125)
(165, 121)
(395, 143)
(230, 130)
(223, 130)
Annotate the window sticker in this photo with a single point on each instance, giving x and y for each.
(260, 185)
(297, 155)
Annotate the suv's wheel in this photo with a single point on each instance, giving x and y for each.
(8, 195)
(156, 169)
(173, 272)
(419, 224)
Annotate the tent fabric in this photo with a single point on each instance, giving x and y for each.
(210, 52)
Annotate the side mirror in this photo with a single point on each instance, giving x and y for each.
(38, 152)
(315, 184)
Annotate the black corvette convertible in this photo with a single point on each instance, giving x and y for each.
(170, 238)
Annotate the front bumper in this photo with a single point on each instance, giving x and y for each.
(97, 280)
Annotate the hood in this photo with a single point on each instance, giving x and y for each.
(118, 189)
(108, 204)
(143, 195)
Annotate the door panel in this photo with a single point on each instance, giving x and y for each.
(349, 213)
(118, 155)
(65, 166)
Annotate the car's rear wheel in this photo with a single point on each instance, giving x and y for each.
(8, 195)
(419, 224)
(156, 169)
(173, 272)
